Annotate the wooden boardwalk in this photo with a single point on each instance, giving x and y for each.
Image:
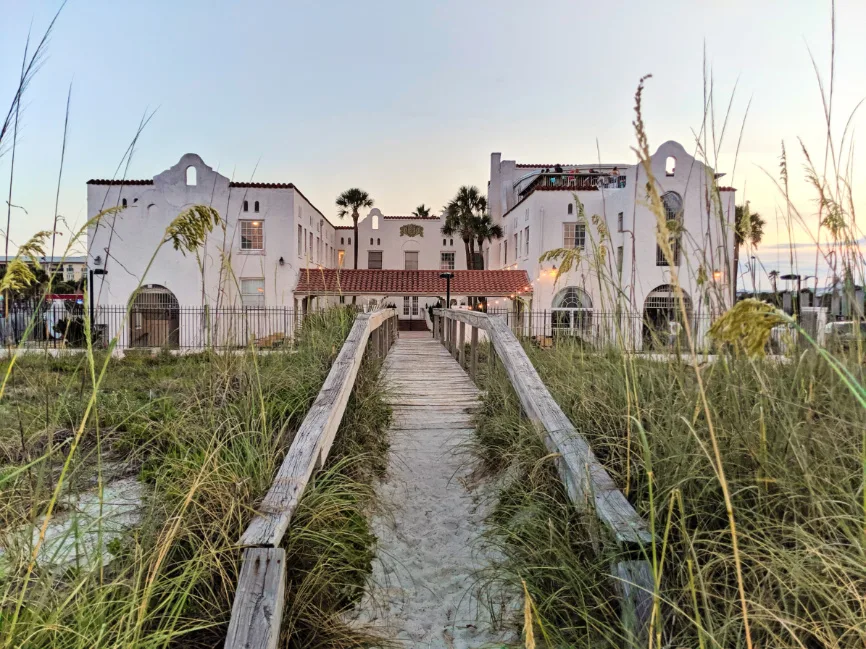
(425, 577)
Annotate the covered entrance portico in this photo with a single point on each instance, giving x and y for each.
(411, 292)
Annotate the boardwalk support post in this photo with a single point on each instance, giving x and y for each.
(461, 345)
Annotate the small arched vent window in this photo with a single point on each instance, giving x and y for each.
(371, 241)
(246, 206)
(190, 176)
(256, 206)
(342, 241)
(570, 208)
(670, 166)
(378, 242)
(451, 242)
(123, 202)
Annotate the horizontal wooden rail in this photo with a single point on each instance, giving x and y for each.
(258, 604)
(588, 484)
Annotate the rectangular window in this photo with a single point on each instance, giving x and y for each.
(253, 293)
(300, 241)
(415, 305)
(526, 239)
(341, 255)
(446, 261)
(661, 260)
(310, 253)
(504, 253)
(374, 259)
(405, 305)
(619, 259)
(252, 235)
(573, 235)
(411, 260)
(318, 249)
(519, 243)
(619, 222)
(516, 248)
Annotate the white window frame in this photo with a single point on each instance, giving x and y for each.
(252, 295)
(574, 235)
(406, 254)
(447, 265)
(256, 224)
(381, 259)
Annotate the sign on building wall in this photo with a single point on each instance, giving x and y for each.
(411, 230)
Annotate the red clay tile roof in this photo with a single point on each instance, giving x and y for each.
(262, 185)
(344, 227)
(487, 283)
(98, 181)
(421, 218)
(727, 189)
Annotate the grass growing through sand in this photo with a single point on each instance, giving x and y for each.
(204, 434)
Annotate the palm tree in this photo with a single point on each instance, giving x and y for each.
(460, 218)
(349, 202)
(485, 230)
(746, 228)
(422, 212)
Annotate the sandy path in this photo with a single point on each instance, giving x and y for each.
(424, 591)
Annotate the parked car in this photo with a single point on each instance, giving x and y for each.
(844, 334)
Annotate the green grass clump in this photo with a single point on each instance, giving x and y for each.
(791, 441)
(204, 434)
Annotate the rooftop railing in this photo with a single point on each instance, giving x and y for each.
(575, 181)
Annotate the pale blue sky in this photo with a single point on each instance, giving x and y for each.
(408, 99)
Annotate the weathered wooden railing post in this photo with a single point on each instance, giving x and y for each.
(461, 345)
(257, 610)
(435, 327)
(623, 534)
(473, 353)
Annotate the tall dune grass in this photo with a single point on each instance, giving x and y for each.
(205, 434)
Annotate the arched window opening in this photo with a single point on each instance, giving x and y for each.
(123, 202)
(670, 166)
(444, 242)
(571, 312)
(246, 206)
(342, 241)
(378, 242)
(570, 208)
(350, 241)
(154, 319)
(673, 206)
(371, 241)
(190, 176)
(451, 242)
(663, 316)
(256, 206)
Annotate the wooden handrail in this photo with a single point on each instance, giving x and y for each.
(587, 482)
(258, 604)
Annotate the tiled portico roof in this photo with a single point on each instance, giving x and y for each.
(486, 283)
(409, 217)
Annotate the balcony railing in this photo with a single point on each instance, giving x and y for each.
(577, 182)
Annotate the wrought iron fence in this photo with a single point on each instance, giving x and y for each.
(62, 324)
(657, 330)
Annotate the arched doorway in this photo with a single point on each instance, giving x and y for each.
(663, 316)
(154, 320)
(571, 311)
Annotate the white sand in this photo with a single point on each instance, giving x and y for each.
(425, 588)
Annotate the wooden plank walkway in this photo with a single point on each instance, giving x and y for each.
(424, 582)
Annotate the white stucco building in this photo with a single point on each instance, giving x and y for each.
(623, 270)
(271, 232)
(275, 241)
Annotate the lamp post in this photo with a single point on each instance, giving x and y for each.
(447, 277)
(90, 273)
